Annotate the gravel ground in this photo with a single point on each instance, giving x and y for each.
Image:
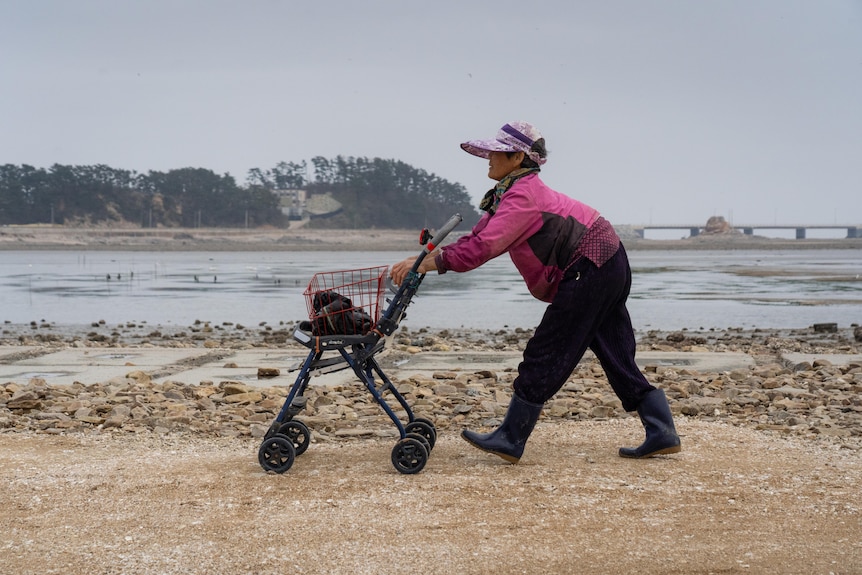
(734, 501)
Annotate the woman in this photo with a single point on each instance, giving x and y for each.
(570, 257)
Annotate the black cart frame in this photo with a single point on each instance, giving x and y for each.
(289, 437)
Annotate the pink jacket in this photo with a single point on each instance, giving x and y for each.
(539, 227)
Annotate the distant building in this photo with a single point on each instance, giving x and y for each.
(302, 205)
(293, 203)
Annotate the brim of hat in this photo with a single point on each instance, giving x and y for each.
(483, 148)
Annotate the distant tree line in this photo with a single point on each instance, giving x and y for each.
(94, 195)
(373, 192)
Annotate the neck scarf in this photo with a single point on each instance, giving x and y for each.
(492, 198)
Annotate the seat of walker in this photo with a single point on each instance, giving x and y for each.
(304, 335)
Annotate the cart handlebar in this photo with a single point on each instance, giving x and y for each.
(404, 294)
(442, 233)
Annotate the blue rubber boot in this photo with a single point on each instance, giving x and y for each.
(508, 440)
(661, 437)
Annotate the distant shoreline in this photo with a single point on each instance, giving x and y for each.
(303, 239)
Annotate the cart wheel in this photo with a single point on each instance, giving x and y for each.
(423, 439)
(424, 429)
(429, 423)
(298, 433)
(276, 453)
(409, 455)
(425, 420)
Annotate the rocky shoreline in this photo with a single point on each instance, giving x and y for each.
(820, 400)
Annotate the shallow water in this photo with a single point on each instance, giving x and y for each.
(671, 290)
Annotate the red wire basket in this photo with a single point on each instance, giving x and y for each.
(345, 302)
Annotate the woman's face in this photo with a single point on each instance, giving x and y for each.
(500, 165)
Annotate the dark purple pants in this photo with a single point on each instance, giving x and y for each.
(589, 311)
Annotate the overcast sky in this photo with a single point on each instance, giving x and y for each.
(653, 111)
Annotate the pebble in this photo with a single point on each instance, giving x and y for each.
(820, 400)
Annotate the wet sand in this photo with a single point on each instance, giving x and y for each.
(304, 239)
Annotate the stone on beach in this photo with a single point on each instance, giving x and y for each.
(816, 400)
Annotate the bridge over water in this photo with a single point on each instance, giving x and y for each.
(852, 231)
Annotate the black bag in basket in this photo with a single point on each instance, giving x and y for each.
(334, 314)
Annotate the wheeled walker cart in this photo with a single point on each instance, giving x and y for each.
(344, 317)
